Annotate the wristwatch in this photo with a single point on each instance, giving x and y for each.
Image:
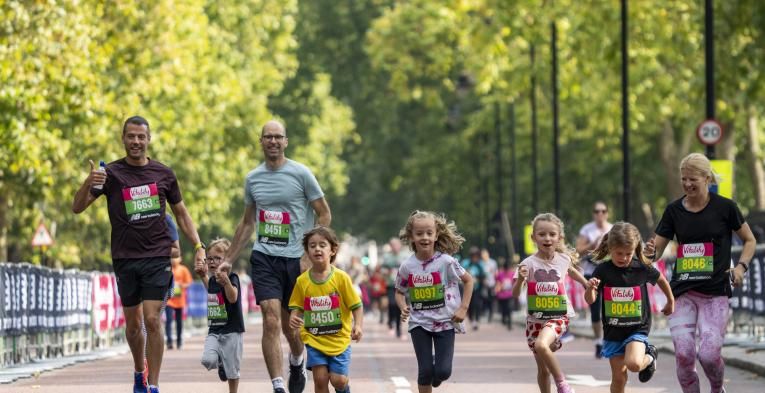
(199, 245)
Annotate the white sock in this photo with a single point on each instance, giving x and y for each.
(278, 382)
(296, 360)
(153, 387)
(651, 357)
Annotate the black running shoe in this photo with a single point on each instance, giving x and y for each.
(279, 390)
(296, 382)
(646, 374)
(221, 370)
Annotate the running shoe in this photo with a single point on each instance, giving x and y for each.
(139, 383)
(221, 370)
(564, 388)
(279, 390)
(645, 374)
(297, 379)
(567, 337)
(154, 390)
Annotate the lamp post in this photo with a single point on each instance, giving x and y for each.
(625, 119)
(709, 61)
(556, 158)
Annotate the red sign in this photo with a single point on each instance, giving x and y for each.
(42, 237)
(709, 132)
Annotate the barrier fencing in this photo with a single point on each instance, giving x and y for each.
(46, 313)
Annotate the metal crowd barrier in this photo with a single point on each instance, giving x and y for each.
(48, 313)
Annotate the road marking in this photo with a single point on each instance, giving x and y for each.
(585, 380)
(400, 382)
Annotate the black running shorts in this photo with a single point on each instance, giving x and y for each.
(142, 279)
(274, 277)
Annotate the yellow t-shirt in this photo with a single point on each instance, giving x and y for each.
(326, 308)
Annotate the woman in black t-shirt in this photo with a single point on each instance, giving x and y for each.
(701, 280)
(621, 282)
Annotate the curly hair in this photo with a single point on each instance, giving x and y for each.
(448, 240)
(561, 247)
(622, 234)
(326, 233)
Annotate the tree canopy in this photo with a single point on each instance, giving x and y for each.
(395, 106)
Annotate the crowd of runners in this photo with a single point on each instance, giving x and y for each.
(420, 289)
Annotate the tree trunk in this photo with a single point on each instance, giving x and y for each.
(3, 228)
(668, 151)
(755, 160)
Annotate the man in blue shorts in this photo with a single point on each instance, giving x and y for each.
(281, 197)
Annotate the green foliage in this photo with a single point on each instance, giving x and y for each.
(391, 103)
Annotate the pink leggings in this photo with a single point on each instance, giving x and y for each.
(706, 316)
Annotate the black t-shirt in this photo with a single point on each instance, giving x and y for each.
(222, 316)
(136, 197)
(704, 238)
(626, 309)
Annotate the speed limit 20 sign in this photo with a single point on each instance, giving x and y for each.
(710, 132)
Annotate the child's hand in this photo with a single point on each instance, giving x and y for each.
(222, 277)
(200, 269)
(460, 314)
(405, 314)
(669, 308)
(523, 273)
(356, 333)
(296, 321)
(594, 283)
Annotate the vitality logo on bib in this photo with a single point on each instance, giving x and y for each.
(426, 291)
(141, 202)
(546, 300)
(273, 227)
(321, 314)
(623, 305)
(695, 261)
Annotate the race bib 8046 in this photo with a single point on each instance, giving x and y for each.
(695, 261)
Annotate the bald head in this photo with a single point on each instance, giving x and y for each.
(273, 126)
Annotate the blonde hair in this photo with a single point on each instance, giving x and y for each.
(221, 243)
(699, 163)
(622, 234)
(561, 247)
(448, 240)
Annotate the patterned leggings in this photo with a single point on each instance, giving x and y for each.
(706, 318)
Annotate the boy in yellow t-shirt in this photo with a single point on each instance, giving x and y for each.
(321, 303)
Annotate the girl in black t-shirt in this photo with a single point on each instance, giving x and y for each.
(621, 282)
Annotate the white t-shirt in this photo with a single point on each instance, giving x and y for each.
(553, 272)
(593, 234)
(432, 291)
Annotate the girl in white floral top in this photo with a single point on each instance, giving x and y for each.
(427, 291)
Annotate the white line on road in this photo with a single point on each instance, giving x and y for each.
(400, 382)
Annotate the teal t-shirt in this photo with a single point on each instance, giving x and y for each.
(282, 200)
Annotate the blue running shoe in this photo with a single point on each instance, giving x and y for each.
(153, 389)
(139, 383)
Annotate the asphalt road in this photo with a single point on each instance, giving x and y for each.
(491, 359)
